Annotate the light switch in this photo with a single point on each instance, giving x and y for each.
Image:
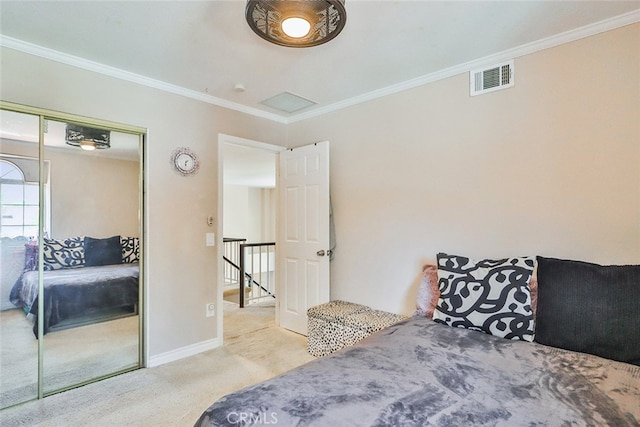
(211, 239)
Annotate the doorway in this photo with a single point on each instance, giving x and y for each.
(248, 218)
(302, 230)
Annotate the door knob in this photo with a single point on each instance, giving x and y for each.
(320, 252)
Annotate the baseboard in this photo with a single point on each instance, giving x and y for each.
(181, 353)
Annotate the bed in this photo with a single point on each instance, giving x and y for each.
(452, 369)
(85, 280)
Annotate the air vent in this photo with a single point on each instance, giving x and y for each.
(491, 78)
(288, 102)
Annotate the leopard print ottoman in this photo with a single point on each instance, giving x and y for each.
(339, 324)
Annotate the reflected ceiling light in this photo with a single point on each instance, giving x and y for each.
(87, 138)
(296, 23)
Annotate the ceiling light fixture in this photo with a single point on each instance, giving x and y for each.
(296, 27)
(296, 23)
(87, 138)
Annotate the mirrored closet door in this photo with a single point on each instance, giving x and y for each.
(73, 311)
(19, 221)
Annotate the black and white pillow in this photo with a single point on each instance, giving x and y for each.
(492, 296)
(59, 254)
(130, 249)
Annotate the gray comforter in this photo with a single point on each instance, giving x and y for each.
(420, 373)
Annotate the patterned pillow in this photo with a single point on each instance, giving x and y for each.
(492, 296)
(59, 254)
(130, 249)
(429, 293)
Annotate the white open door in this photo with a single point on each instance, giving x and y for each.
(302, 246)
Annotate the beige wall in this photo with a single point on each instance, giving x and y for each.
(91, 196)
(181, 270)
(549, 167)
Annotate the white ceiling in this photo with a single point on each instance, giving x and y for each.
(204, 48)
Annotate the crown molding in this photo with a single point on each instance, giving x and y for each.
(549, 42)
(85, 64)
(527, 49)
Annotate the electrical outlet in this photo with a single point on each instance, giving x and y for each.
(210, 309)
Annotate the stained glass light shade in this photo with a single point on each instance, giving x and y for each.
(325, 18)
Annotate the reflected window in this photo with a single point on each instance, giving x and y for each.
(19, 200)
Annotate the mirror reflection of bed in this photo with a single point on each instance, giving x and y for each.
(86, 280)
(90, 314)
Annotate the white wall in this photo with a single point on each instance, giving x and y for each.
(236, 211)
(549, 167)
(249, 213)
(269, 205)
(181, 271)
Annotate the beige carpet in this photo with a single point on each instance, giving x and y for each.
(175, 394)
(233, 295)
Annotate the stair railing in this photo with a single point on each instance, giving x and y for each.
(232, 260)
(257, 272)
(250, 266)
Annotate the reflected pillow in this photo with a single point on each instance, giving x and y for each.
(130, 249)
(59, 254)
(589, 308)
(102, 251)
(492, 296)
(31, 256)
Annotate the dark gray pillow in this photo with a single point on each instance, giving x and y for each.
(102, 251)
(589, 308)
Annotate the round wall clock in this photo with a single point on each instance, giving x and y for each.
(185, 161)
